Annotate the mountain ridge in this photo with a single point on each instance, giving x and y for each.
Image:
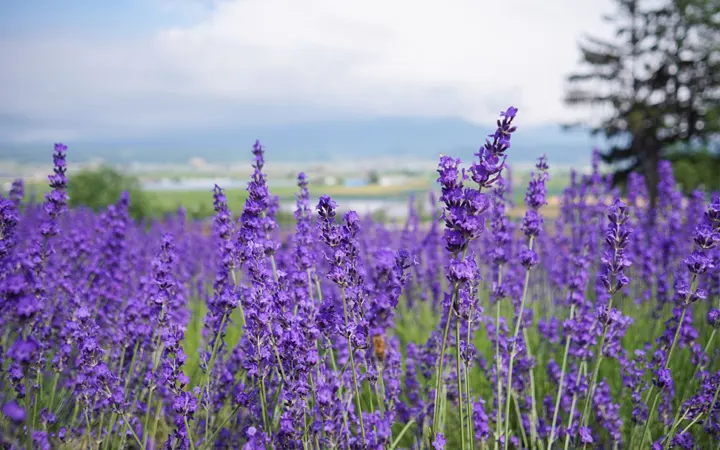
(416, 139)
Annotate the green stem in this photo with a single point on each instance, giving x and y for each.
(676, 423)
(189, 433)
(56, 378)
(277, 403)
(441, 362)
(439, 372)
(146, 421)
(677, 334)
(310, 289)
(581, 370)
(220, 427)
(340, 390)
(113, 419)
(155, 361)
(132, 367)
(524, 294)
(87, 425)
(28, 419)
(635, 428)
(157, 419)
(471, 437)
(512, 352)
(100, 425)
(508, 394)
(519, 419)
(381, 386)
(691, 424)
(693, 286)
(498, 377)
(651, 411)
(122, 360)
(272, 263)
(352, 364)
(132, 430)
(38, 398)
(596, 371)
(319, 289)
(277, 353)
(263, 405)
(650, 414)
(715, 398)
(459, 382)
(240, 306)
(533, 406)
(401, 434)
(469, 409)
(211, 362)
(695, 372)
(76, 410)
(370, 397)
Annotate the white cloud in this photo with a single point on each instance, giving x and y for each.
(259, 59)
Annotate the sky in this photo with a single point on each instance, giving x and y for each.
(88, 70)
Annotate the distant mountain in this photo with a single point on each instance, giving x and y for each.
(322, 141)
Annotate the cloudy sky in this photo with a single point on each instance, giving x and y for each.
(89, 69)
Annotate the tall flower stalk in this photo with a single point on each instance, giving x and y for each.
(698, 262)
(535, 198)
(462, 214)
(615, 262)
(345, 273)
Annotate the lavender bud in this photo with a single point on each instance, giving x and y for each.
(713, 318)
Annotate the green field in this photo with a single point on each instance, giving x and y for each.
(198, 203)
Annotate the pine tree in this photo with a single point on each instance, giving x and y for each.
(658, 79)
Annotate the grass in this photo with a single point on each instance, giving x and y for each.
(167, 201)
(198, 203)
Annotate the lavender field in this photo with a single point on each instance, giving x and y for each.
(593, 330)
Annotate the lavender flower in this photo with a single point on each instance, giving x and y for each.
(8, 224)
(17, 192)
(333, 333)
(56, 200)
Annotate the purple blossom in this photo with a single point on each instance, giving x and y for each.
(14, 412)
(254, 333)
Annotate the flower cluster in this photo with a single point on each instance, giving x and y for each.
(344, 331)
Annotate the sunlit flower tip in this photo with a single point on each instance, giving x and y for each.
(705, 237)
(326, 207)
(713, 318)
(663, 378)
(509, 113)
(698, 263)
(542, 163)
